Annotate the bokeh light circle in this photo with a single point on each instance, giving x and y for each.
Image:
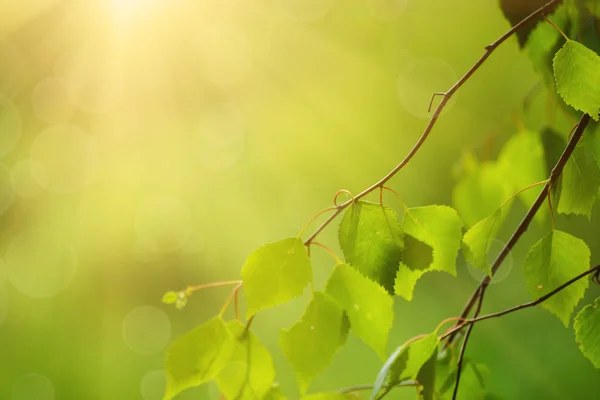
(10, 126)
(495, 248)
(153, 384)
(40, 263)
(51, 101)
(146, 330)
(7, 193)
(33, 387)
(219, 142)
(22, 180)
(386, 10)
(419, 80)
(163, 223)
(64, 159)
(305, 10)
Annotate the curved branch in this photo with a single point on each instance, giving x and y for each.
(489, 49)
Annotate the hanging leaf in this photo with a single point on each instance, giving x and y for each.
(523, 163)
(587, 325)
(369, 307)
(405, 363)
(477, 241)
(250, 373)
(439, 227)
(426, 378)
(480, 192)
(310, 344)
(552, 261)
(577, 75)
(371, 239)
(275, 274)
(580, 181)
(198, 356)
(517, 10)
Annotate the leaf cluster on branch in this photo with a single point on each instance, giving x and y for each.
(386, 253)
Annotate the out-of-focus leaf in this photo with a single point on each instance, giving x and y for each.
(587, 326)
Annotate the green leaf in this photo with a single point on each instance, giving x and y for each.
(250, 372)
(198, 356)
(516, 10)
(406, 280)
(170, 297)
(439, 227)
(580, 181)
(577, 75)
(587, 326)
(552, 261)
(369, 307)
(523, 163)
(477, 241)
(328, 396)
(275, 274)
(310, 344)
(274, 393)
(480, 192)
(405, 363)
(371, 239)
(426, 378)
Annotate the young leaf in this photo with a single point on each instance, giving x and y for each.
(552, 261)
(405, 363)
(481, 192)
(587, 325)
(275, 274)
(371, 239)
(310, 345)
(580, 181)
(170, 297)
(439, 227)
(478, 239)
(250, 372)
(369, 307)
(522, 159)
(198, 356)
(577, 75)
(406, 279)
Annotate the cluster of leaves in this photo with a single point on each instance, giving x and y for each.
(385, 256)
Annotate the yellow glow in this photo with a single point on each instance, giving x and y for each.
(133, 8)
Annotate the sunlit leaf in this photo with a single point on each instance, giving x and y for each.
(406, 280)
(587, 326)
(552, 261)
(577, 75)
(369, 307)
(250, 373)
(170, 297)
(198, 356)
(310, 344)
(371, 239)
(275, 274)
(477, 241)
(580, 181)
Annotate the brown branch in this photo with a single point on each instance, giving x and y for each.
(489, 49)
(463, 348)
(522, 228)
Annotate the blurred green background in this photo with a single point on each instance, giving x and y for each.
(147, 145)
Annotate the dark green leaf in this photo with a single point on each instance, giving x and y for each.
(275, 274)
(198, 356)
(517, 10)
(310, 345)
(371, 239)
(369, 307)
(426, 378)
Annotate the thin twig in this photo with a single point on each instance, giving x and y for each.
(463, 348)
(522, 228)
(534, 303)
(489, 49)
(358, 388)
